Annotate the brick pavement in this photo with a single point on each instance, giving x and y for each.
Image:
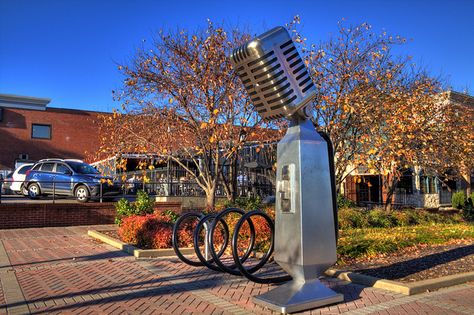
(61, 270)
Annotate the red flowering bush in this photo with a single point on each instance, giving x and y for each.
(155, 231)
(128, 230)
(148, 231)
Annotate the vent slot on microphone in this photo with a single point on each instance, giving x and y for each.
(270, 53)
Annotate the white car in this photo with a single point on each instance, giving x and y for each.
(19, 177)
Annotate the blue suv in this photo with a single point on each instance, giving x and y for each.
(69, 178)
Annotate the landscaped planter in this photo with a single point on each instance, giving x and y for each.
(135, 251)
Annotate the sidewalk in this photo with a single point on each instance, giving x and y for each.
(61, 270)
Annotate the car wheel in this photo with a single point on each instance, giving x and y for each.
(24, 191)
(82, 193)
(34, 191)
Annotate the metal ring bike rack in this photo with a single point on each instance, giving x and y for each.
(211, 223)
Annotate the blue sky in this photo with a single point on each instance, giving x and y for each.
(69, 50)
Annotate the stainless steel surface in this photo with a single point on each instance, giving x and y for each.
(305, 245)
(279, 85)
(298, 296)
(274, 75)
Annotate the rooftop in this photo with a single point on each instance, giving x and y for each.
(24, 102)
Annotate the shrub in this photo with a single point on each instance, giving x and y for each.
(468, 209)
(381, 218)
(458, 199)
(344, 202)
(401, 218)
(148, 231)
(130, 227)
(351, 218)
(244, 203)
(170, 216)
(142, 205)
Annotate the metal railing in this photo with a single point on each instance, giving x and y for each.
(66, 190)
(53, 190)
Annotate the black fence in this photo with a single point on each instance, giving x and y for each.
(18, 191)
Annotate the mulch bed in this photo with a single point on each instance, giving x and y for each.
(419, 262)
(410, 264)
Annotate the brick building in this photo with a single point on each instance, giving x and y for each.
(29, 131)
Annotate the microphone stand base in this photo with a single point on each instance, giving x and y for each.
(298, 296)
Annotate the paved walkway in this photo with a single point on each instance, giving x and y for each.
(61, 270)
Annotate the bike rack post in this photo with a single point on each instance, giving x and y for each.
(206, 243)
(54, 191)
(100, 192)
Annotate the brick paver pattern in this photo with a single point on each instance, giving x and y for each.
(62, 270)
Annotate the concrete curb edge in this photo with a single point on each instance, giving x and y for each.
(137, 252)
(399, 287)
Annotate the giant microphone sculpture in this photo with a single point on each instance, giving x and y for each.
(279, 85)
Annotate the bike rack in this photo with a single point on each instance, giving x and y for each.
(212, 258)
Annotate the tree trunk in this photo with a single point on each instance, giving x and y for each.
(228, 188)
(390, 188)
(234, 177)
(210, 197)
(466, 174)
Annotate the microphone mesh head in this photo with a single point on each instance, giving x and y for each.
(273, 74)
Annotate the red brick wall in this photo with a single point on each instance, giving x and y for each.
(46, 215)
(73, 133)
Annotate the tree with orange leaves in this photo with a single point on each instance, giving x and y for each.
(182, 101)
(380, 111)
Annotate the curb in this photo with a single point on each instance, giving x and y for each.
(135, 251)
(129, 249)
(156, 253)
(400, 287)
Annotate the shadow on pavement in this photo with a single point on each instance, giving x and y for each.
(406, 268)
(200, 279)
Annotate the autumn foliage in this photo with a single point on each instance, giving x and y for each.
(149, 231)
(381, 111)
(182, 101)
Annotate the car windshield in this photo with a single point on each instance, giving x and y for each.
(82, 168)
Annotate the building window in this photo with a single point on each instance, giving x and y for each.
(428, 185)
(39, 131)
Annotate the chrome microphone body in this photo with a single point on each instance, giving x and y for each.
(280, 86)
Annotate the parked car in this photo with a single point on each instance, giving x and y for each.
(69, 178)
(19, 177)
(6, 184)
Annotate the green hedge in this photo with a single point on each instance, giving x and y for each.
(468, 208)
(379, 218)
(143, 205)
(458, 199)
